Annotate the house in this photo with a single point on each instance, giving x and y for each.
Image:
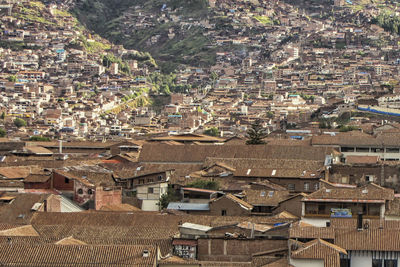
(370, 200)
(229, 205)
(150, 193)
(263, 201)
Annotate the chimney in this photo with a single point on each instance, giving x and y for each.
(60, 146)
(360, 221)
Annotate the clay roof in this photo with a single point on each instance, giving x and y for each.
(368, 193)
(19, 211)
(188, 137)
(355, 138)
(362, 159)
(26, 230)
(371, 239)
(320, 249)
(14, 172)
(242, 203)
(38, 150)
(278, 173)
(299, 231)
(70, 241)
(37, 178)
(269, 164)
(119, 207)
(72, 255)
(264, 197)
(191, 153)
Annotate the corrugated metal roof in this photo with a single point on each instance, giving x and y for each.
(188, 206)
(196, 226)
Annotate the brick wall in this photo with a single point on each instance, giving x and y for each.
(107, 197)
(234, 249)
(293, 206)
(232, 208)
(45, 185)
(59, 182)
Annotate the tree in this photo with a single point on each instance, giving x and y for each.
(166, 198)
(213, 131)
(256, 134)
(12, 78)
(3, 132)
(212, 185)
(19, 122)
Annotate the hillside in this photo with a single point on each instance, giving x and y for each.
(154, 26)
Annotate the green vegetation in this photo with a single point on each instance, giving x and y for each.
(188, 46)
(92, 46)
(166, 83)
(212, 131)
(389, 21)
(33, 13)
(12, 78)
(39, 138)
(165, 199)
(256, 134)
(19, 122)
(3, 132)
(16, 45)
(347, 128)
(109, 59)
(212, 185)
(264, 20)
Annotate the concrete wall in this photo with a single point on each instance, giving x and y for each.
(361, 260)
(54, 203)
(84, 196)
(150, 205)
(318, 222)
(307, 263)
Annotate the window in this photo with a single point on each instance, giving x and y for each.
(306, 186)
(150, 190)
(369, 178)
(66, 180)
(347, 149)
(291, 187)
(392, 150)
(344, 262)
(80, 191)
(90, 191)
(141, 181)
(376, 149)
(160, 177)
(376, 263)
(390, 263)
(223, 212)
(316, 186)
(321, 209)
(362, 149)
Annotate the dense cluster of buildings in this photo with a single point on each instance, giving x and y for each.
(93, 175)
(202, 201)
